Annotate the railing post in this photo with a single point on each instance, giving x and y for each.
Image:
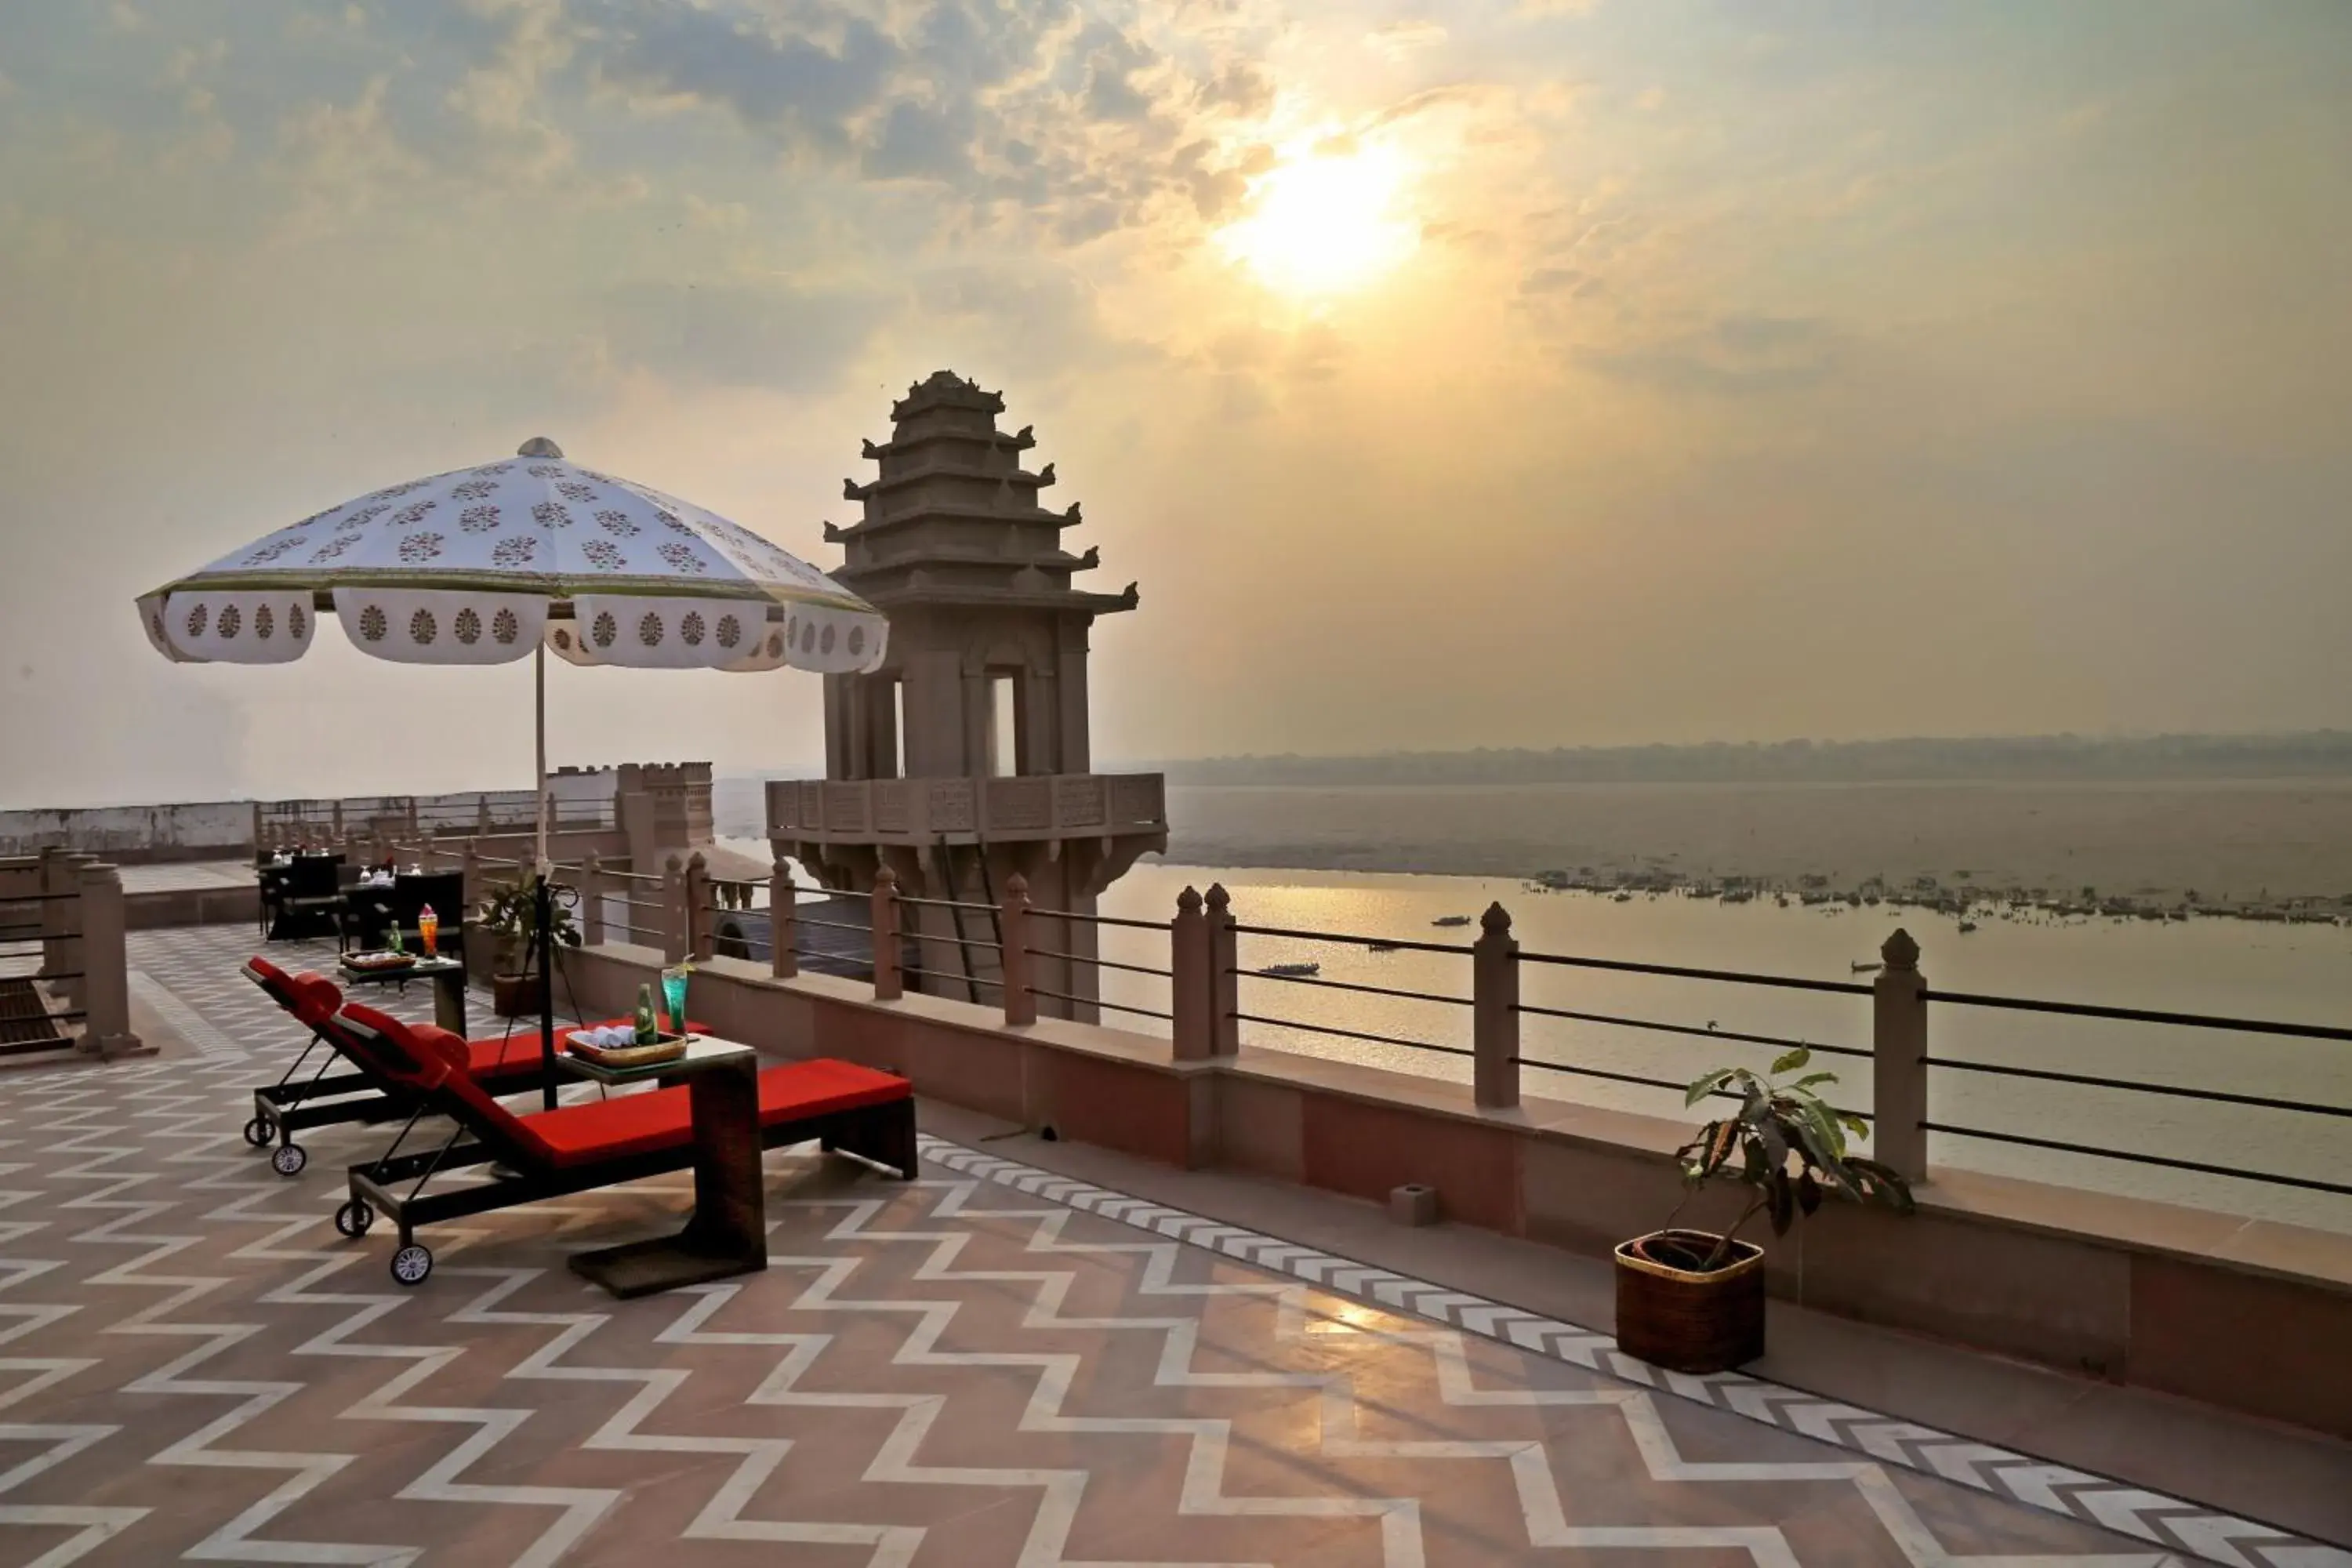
(1494, 1012)
(1013, 919)
(701, 925)
(106, 978)
(883, 921)
(674, 933)
(1224, 973)
(258, 845)
(335, 818)
(1191, 999)
(482, 814)
(591, 901)
(470, 882)
(1898, 1068)
(784, 938)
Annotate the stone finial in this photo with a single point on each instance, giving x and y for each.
(1026, 435)
(1016, 889)
(1901, 953)
(1091, 559)
(833, 534)
(1220, 900)
(1046, 475)
(1189, 901)
(1497, 920)
(886, 878)
(866, 449)
(1131, 596)
(1073, 517)
(540, 446)
(849, 491)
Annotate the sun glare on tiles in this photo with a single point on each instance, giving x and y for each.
(1322, 223)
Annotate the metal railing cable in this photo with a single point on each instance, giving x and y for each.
(1456, 949)
(1350, 985)
(1160, 926)
(2170, 1161)
(1353, 1033)
(2142, 1015)
(2263, 1102)
(1664, 1083)
(1660, 1026)
(1099, 963)
(1099, 1002)
(1677, 972)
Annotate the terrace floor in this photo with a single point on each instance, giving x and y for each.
(995, 1364)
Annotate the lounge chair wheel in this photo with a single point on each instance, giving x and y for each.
(288, 1159)
(355, 1218)
(410, 1264)
(256, 1133)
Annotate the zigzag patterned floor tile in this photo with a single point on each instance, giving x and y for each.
(990, 1365)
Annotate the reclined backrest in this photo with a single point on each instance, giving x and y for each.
(434, 1060)
(311, 998)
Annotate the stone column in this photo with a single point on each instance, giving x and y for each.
(1224, 980)
(675, 931)
(888, 986)
(1494, 1012)
(1012, 919)
(1191, 999)
(592, 900)
(701, 924)
(782, 935)
(106, 985)
(1898, 1070)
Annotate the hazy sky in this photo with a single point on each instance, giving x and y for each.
(1449, 374)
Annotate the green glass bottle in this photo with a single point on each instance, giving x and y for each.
(648, 1030)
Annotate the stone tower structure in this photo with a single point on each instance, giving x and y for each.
(964, 758)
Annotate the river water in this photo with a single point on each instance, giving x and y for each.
(2240, 839)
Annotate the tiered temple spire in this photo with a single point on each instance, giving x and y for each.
(953, 519)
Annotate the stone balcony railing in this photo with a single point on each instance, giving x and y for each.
(993, 810)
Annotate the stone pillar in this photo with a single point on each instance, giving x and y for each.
(1494, 1012)
(1224, 977)
(469, 873)
(675, 931)
(592, 900)
(1191, 999)
(701, 924)
(782, 935)
(335, 819)
(482, 815)
(888, 986)
(106, 985)
(1012, 919)
(1898, 1069)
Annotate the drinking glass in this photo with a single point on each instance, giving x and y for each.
(673, 983)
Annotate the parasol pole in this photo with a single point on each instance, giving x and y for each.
(542, 895)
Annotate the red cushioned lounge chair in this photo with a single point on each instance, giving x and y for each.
(574, 1148)
(509, 1064)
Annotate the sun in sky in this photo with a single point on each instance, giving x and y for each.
(1328, 218)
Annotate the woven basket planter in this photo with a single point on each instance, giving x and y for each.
(1686, 1322)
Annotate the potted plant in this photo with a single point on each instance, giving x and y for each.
(511, 916)
(1693, 1301)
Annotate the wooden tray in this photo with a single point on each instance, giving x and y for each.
(667, 1050)
(378, 962)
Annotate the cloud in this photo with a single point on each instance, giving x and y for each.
(778, 336)
(1400, 41)
(1651, 99)
(1731, 354)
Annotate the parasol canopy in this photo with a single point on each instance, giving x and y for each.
(483, 566)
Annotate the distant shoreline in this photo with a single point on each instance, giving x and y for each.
(2266, 850)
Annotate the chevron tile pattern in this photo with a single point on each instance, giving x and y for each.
(992, 1366)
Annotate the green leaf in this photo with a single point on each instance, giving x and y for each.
(1889, 1188)
(1809, 1192)
(1855, 1125)
(1792, 1060)
(1784, 1203)
(1808, 1081)
(1701, 1088)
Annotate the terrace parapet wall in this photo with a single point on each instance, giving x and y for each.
(2247, 1315)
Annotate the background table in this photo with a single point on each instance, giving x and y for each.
(448, 977)
(727, 1234)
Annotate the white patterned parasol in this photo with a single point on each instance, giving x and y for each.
(487, 565)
